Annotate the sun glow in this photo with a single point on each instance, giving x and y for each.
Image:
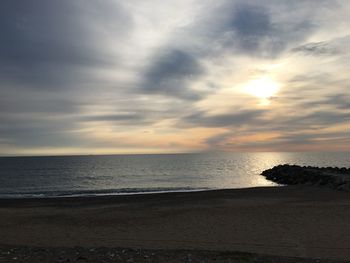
(263, 88)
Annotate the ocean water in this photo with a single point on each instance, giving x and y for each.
(129, 174)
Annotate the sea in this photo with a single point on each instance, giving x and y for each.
(62, 176)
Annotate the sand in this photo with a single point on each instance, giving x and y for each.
(292, 221)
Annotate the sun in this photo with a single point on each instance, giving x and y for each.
(263, 88)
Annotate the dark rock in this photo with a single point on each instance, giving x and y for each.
(331, 177)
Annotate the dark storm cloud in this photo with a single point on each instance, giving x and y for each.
(48, 53)
(170, 73)
(255, 29)
(251, 21)
(43, 42)
(252, 28)
(223, 120)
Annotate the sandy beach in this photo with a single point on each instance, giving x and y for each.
(293, 221)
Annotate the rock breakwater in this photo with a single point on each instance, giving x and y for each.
(332, 177)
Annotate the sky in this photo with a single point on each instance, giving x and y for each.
(109, 76)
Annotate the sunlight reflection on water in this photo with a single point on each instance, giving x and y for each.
(133, 173)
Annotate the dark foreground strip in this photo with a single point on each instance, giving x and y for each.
(102, 254)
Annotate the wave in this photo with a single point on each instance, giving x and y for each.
(92, 193)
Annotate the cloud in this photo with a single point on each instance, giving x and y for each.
(170, 72)
(316, 49)
(333, 102)
(340, 101)
(223, 120)
(79, 73)
(337, 46)
(255, 29)
(124, 119)
(47, 44)
(324, 118)
(251, 21)
(39, 131)
(312, 138)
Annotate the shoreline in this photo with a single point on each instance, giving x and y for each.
(93, 194)
(294, 221)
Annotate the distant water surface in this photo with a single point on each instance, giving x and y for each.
(116, 174)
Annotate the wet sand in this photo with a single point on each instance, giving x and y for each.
(292, 221)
